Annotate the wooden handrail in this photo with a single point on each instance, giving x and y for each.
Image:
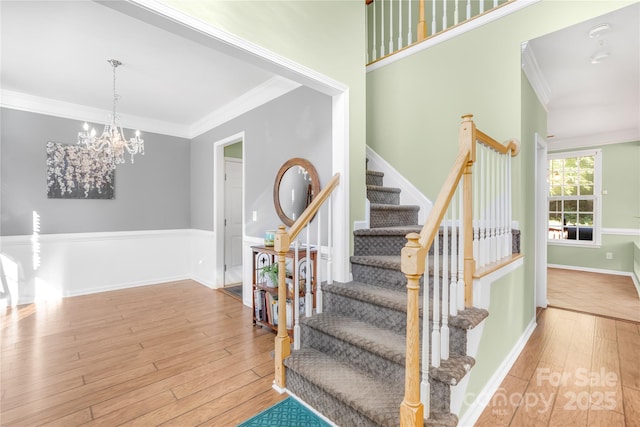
(432, 225)
(512, 145)
(282, 243)
(313, 207)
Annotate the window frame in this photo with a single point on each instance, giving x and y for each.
(597, 198)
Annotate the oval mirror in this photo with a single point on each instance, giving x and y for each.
(295, 186)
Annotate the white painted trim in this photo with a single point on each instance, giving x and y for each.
(534, 74)
(610, 231)
(480, 402)
(26, 239)
(508, 9)
(310, 408)
(410, 194)
(83, 113)
(596, 140)
(218, 201)
(541, 230)
(482, 286)
(259, 95)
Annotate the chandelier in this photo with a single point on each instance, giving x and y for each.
(112, 142)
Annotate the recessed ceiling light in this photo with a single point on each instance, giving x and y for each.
(599, 30)
(599, 57)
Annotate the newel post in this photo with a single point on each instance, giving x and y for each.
(467, 140)
(282, 242)
(412, 265)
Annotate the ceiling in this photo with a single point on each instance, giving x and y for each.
(54, 60)
(54, 56)
(590, 103)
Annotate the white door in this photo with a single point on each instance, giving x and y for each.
(233, 221)
(541, 221)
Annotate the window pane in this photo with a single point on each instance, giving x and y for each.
(570, 218)
(571, 206)
(586, 190)
(586, 219)
(585, 233)
(585, 206)
(555, 219)
(555, 205)
(555, 191)
(570, 190)
(587, 162)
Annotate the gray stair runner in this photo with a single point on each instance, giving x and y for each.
(351, 364)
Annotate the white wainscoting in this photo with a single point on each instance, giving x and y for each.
(82, 263)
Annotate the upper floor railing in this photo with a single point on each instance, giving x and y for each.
(394, 25)
(472, 217)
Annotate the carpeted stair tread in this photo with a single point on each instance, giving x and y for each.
(452, 370)
(374, 178)
(400, 230)
(394, 208)
(378, 399)
(376, 340)
(384, 189)
(468, 318)
(441, 420)
(371, 294)
(384, 261)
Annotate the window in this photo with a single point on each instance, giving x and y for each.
(574, 197)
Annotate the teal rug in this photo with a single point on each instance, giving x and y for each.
(286, 413)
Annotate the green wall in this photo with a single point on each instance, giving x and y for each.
(620, 209)
(325, 36)
(234, 150)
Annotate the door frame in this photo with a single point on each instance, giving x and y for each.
(541, 229)
(218, 203)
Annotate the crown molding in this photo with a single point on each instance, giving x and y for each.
(625, 135)
(259, 95)
(83, 113)
(534, 74)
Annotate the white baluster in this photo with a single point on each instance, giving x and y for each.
(505, 196)
(495, 3)
(425, 387)
(453, 308)
(375, 24)
(435, 333)
(509, 206)
(481, 6)
(409, 35)
(456, 16)
(382, 28)
(296, 297)
(390, 26)
(482, 251)
(433, 17)
(468, 9)
(444, 15)
(476, 210)
(399, 24)
(308, 299)
(330, 241)
(444, 330)
(318, 270)
(498, 206)
(492, 215)
(461, 285)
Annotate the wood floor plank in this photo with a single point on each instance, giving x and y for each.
(631, 407)
(238, 414)
(504, 403)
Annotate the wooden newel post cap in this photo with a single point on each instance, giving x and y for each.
(467, 118)
(411, 261)
(282, 240)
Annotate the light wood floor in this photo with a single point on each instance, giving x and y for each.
(603, 294)
(576, 370)
(172, 354)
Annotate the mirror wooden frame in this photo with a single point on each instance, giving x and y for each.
(315, 184)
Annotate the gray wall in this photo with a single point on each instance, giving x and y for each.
(151, 194)
(297, 124)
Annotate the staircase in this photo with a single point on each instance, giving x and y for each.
(351, 364)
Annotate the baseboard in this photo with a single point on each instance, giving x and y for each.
(128, 285)
(475, 409)
(591, 270)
